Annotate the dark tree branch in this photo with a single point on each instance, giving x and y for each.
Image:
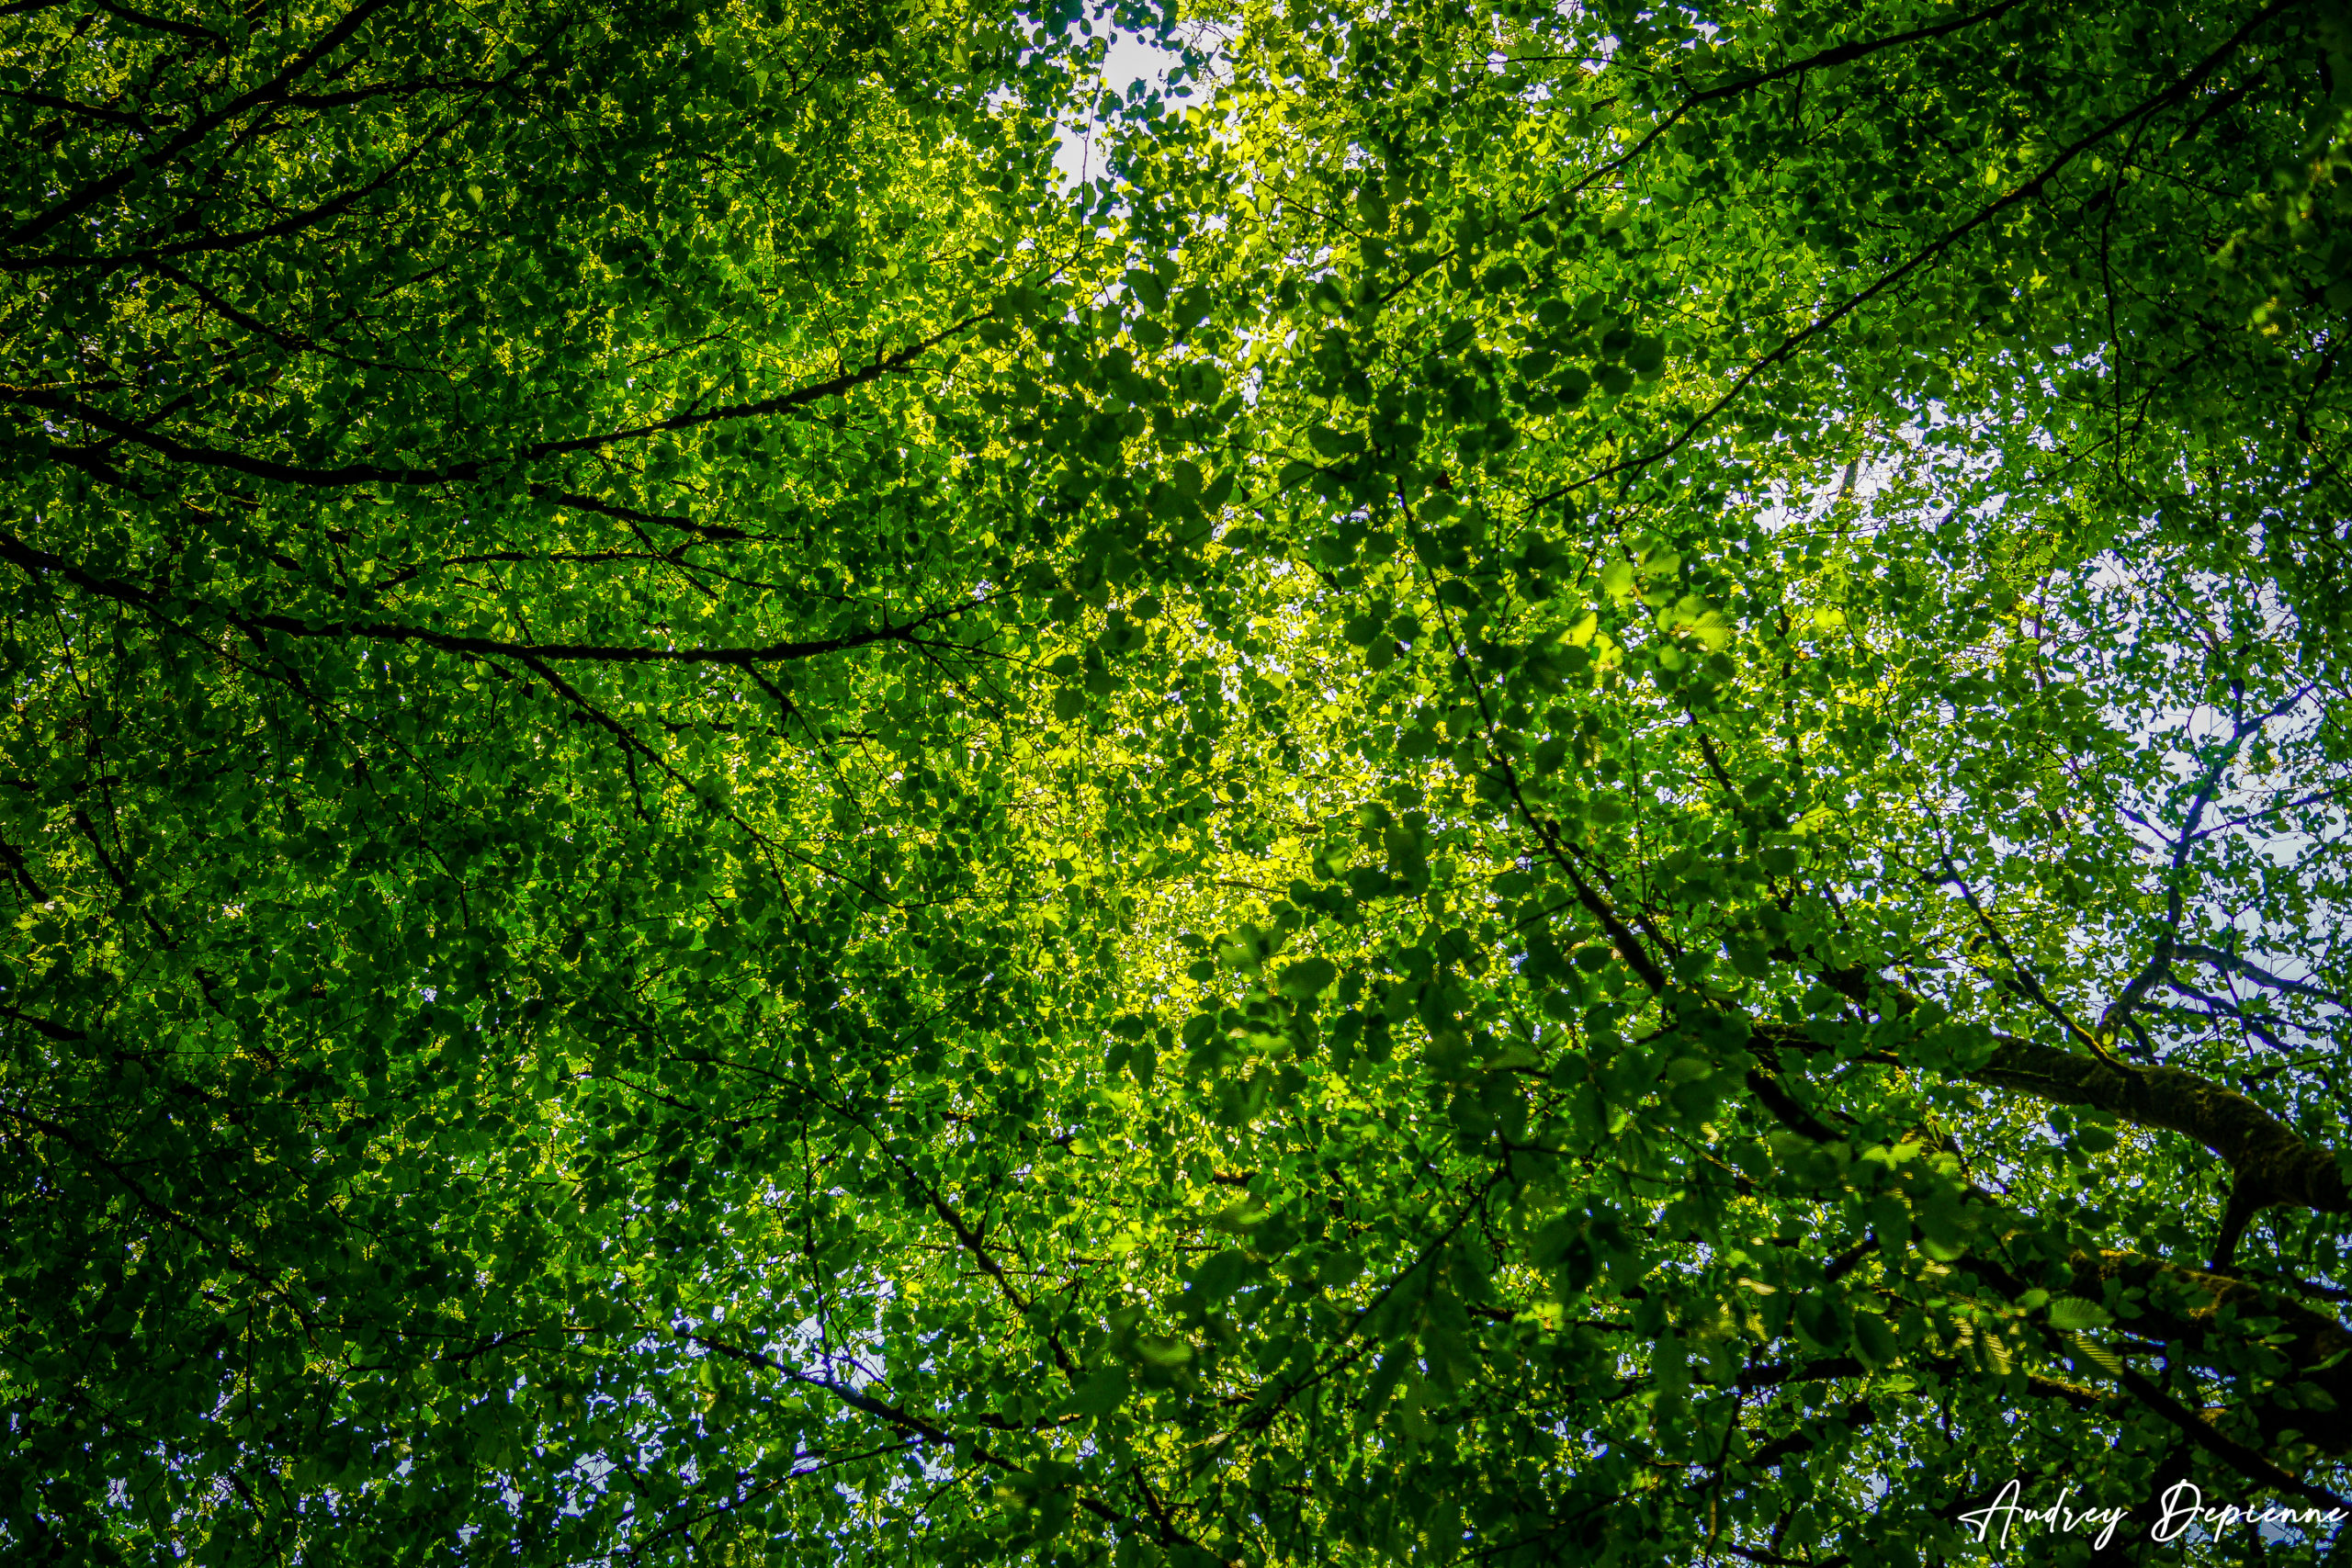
(35, 561)
(2273, 1164)
(2181, 88)
(99, 189)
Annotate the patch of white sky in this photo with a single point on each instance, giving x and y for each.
(1131, 65)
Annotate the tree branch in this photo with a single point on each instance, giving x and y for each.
(2272, 1163)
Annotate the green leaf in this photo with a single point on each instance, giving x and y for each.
(1337, 1269)
(2075, 1311)
(1161, 1350)
(1104, 1391)
(1148, 290)
(1823, 1323)
(1875, 1338)
(1332, 444)
(1307, 978)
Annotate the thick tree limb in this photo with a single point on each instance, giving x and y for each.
(2273, 1164)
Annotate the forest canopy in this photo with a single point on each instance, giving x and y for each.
(1566, 786)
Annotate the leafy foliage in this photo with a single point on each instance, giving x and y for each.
(1569, 788)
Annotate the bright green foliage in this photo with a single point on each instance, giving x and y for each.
(1571, 791)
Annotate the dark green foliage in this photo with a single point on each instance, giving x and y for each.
(1568, 790)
